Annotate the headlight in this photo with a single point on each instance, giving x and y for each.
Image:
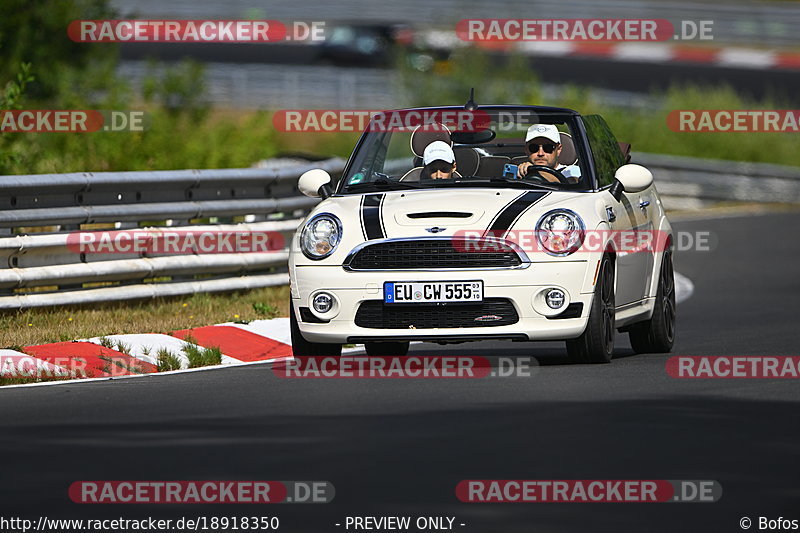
(321, 236)
(560, 232)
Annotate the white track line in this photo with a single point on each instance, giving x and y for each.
(139, 376)
(684, 288)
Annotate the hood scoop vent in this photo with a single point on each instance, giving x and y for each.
(439, 214)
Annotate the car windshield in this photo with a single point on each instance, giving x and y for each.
(449, 147)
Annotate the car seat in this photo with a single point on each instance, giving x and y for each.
(421, 137)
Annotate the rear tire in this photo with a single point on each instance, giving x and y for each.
(657, 335)
(386, 349)
(301, 347)
(596, 344)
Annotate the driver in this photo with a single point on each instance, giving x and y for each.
(439, 161)
(543, 146)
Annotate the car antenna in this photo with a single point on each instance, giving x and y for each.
(471, 105)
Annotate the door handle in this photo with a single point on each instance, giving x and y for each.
(610, 214)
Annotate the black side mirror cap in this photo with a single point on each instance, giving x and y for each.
(616, 190)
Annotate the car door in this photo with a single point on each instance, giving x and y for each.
(627, 216)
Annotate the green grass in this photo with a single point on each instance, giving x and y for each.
(515, 82)
(45, 325)
(265, 310)
(199, 356)
(166, 360)
(4, 380)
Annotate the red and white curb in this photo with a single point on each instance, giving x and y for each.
(736, 57)
(260, 341)
(136, 355)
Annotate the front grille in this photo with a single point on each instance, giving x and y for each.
(434, 253)
(490, 312)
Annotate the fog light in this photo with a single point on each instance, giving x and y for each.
(555, 298)
(323, 302)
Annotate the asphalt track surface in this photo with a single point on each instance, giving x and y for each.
(399, 447)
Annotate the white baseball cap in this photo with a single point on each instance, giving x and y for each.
(548, 131)
(438, 151)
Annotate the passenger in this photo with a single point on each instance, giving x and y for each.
(543, 146)
(439, 161)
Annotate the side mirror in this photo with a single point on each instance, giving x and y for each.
(631, 178)
(315, 183)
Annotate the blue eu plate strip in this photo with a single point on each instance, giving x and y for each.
(388, 292)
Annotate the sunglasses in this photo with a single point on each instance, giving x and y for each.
(440, 166)
(548, 148)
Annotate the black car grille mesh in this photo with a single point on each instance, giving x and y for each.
(490, 312)
(411, 254)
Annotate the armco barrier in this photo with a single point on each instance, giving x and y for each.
(38, 212)
(37, 268)
(712, 179)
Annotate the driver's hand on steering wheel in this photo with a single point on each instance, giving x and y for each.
(522, 171)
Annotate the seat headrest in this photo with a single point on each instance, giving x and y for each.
(426, 134)
(626, 151)
(568, 154)
(467, 160)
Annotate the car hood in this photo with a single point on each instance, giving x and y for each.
(443, 212)
(439, 213)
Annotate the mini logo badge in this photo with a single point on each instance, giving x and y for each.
(488, 318)
(435, 229)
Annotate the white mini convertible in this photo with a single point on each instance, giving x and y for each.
(526, 223)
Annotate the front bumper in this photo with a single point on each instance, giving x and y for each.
(520, 286)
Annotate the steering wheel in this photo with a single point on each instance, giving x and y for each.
(557, 173)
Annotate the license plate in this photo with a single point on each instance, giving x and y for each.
(402, 292)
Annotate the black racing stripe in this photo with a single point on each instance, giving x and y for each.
(371, 216)
(380, 215)
(510, 213)
(361, 216)
(500, 212)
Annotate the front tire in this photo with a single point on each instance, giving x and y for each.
(596, 344)
(301, 347)
(657, 335)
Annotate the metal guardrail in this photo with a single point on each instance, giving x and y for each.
(712, 179)
(39, 268)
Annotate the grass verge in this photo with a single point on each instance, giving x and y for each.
(45, 325)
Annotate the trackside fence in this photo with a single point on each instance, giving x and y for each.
(39, 212)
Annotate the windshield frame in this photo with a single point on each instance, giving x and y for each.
(571, 118)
